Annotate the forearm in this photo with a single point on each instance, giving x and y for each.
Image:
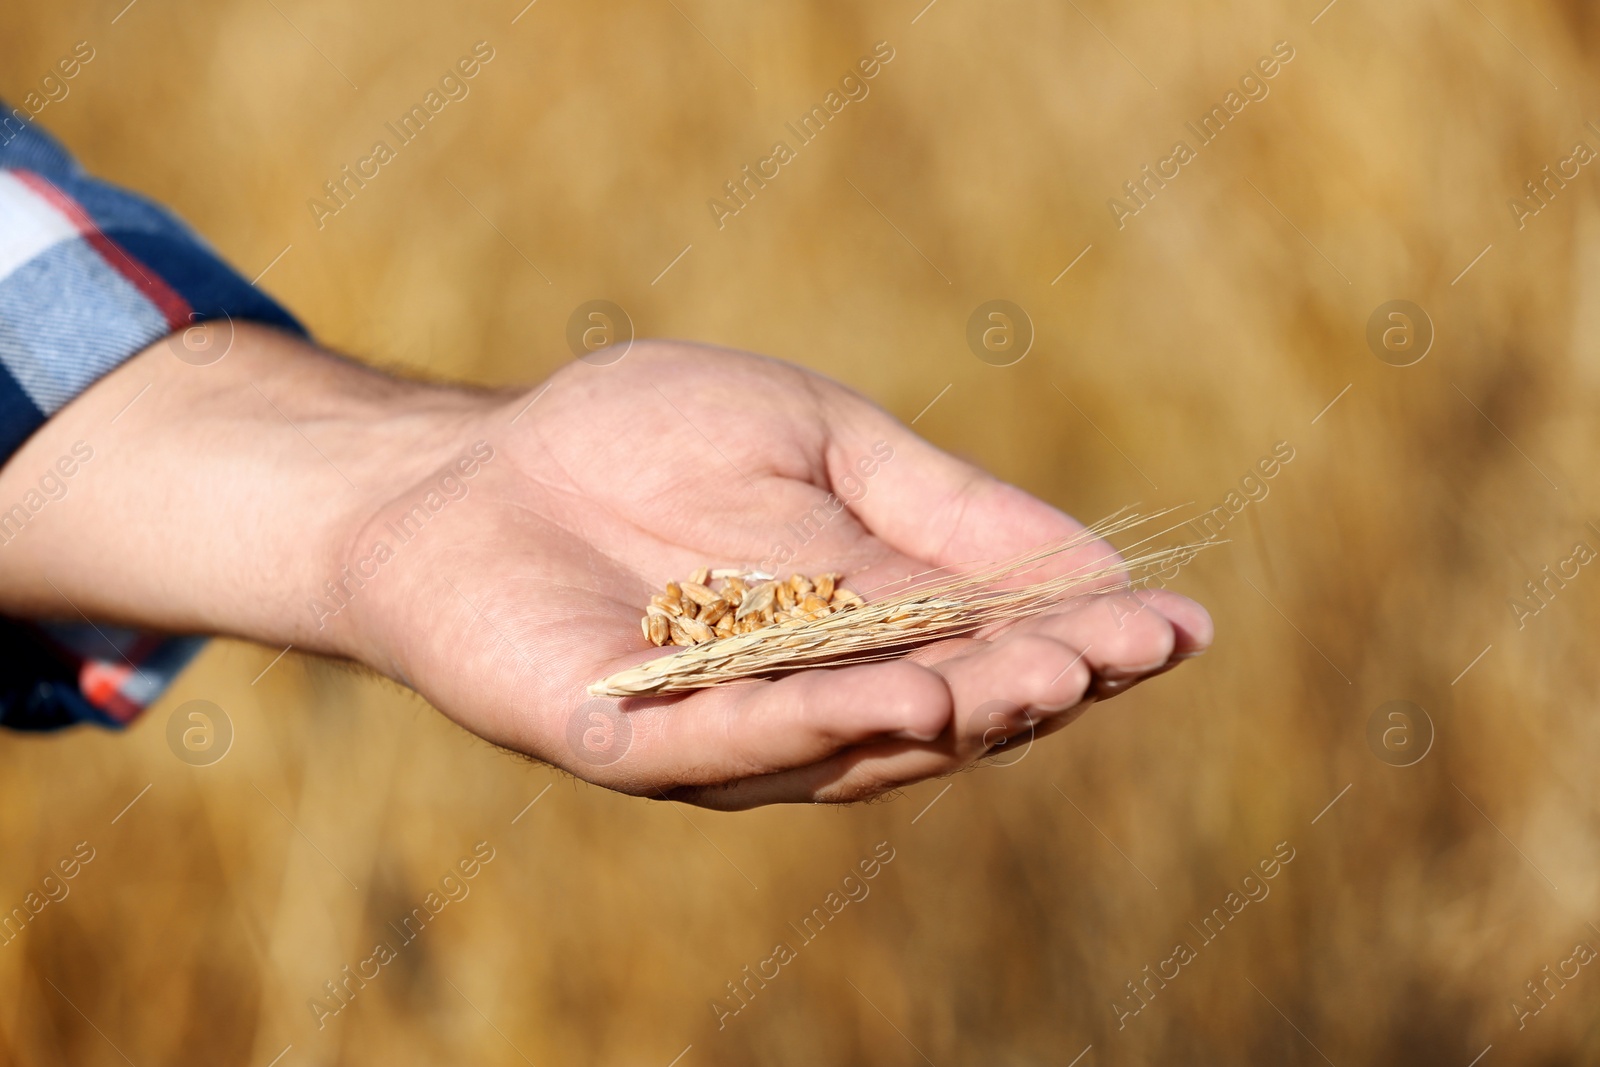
(219, 498)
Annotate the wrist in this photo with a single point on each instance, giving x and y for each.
(352, 446)
(382, 561)
(220, 498)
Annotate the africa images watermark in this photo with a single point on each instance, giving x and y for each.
(448, 485)
(853, 87)
(53, 486)
(1255, 889)
(1541, 591)
(453, 85)
(743, 992)
(1543, 988)
(850, 490)
(1154, 177)
(52, 890)
(454, 887)
(1254, 487)
(1544, 188)
(53, 88)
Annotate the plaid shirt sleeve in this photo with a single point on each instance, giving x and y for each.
(90, 275)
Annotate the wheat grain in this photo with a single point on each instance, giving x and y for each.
(758, 599)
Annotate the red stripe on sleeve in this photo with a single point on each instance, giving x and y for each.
(101, 684)
(173, 307)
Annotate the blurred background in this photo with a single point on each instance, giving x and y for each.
(1441, 899)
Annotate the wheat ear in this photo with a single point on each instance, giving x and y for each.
(922, 609)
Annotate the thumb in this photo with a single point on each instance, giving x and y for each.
(928, 504)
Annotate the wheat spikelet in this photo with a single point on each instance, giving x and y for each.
(924, 609)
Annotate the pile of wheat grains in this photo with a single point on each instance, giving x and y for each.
(692, 612)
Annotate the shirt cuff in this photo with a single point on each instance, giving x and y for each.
(90, 275)
(60, 674)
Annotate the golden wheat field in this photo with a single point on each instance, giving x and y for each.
(1258, 858)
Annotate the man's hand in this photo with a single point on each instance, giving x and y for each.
(495, 550)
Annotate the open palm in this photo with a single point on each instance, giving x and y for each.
(619, 478)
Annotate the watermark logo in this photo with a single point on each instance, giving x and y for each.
(199, 733)
(201, 344)
(1000, 333)
(1400, 733)
(599, 332)
(1400, 333)
(598, 733)
(1008, 731)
